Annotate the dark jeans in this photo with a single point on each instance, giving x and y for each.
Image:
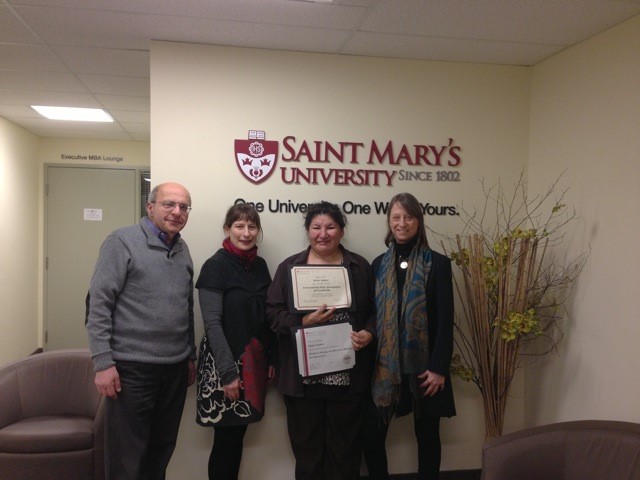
(142, 424)
(427, 431)
(325, 433)
(226, 453)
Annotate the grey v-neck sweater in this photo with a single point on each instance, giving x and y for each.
(141, 300)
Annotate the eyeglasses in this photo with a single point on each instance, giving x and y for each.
(169, 206)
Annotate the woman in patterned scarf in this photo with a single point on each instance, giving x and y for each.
(414, 308)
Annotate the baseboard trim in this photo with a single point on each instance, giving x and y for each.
(474, 474)
(448, 475)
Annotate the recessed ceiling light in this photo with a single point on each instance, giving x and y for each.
(73, 114)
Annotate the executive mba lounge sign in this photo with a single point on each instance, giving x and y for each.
(257, 157)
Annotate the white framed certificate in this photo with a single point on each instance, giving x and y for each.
(324, 349)
(315, 285)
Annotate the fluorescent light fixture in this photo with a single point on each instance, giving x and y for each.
(73, 114)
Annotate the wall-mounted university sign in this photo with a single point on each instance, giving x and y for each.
(256, 157)
(346, 163)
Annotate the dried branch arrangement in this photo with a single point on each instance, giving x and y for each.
(512, 288)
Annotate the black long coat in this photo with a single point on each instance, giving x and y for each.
(439, 292)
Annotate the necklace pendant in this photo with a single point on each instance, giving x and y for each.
(404, 264)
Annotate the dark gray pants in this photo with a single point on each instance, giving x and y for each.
(325, 433)
(142, 424)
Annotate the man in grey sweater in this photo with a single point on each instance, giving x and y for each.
(141, 336)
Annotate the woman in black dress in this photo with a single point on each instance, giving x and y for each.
(235, 365)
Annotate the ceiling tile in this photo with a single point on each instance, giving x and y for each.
(29, 57)
(125, 116)
(281, 37)
(108, 61)
(12, 30)
(340, 14)
(116, 85)
(18, 111)
(52, 81)
(447, 49)
(542, 21)
(136, 127)
(90, 28)
(124, 102)
(34, 97)
(93, 53)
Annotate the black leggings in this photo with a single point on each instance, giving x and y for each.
(226, 453)
(427, 431)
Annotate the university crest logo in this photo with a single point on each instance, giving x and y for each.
(256, 157)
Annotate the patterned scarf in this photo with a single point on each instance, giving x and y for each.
(403, 346)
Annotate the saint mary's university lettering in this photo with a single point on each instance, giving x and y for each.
(349, 207)
(353, 153)
(448, 155)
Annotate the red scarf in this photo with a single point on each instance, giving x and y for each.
(247, 256)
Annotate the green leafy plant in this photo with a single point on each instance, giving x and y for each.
(512, 288)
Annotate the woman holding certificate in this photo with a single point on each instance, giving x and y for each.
(324, 411)
(233, 370)
(414, 308)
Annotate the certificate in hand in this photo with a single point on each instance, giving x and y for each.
(315, 285)
(324, 349)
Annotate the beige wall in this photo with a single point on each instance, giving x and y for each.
(585, 120)
(18, 255)
(204, 97)
(23, 157)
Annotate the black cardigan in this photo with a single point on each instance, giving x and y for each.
(439, 291)
(282, 320)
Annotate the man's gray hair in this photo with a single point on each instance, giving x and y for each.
(153, 194)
